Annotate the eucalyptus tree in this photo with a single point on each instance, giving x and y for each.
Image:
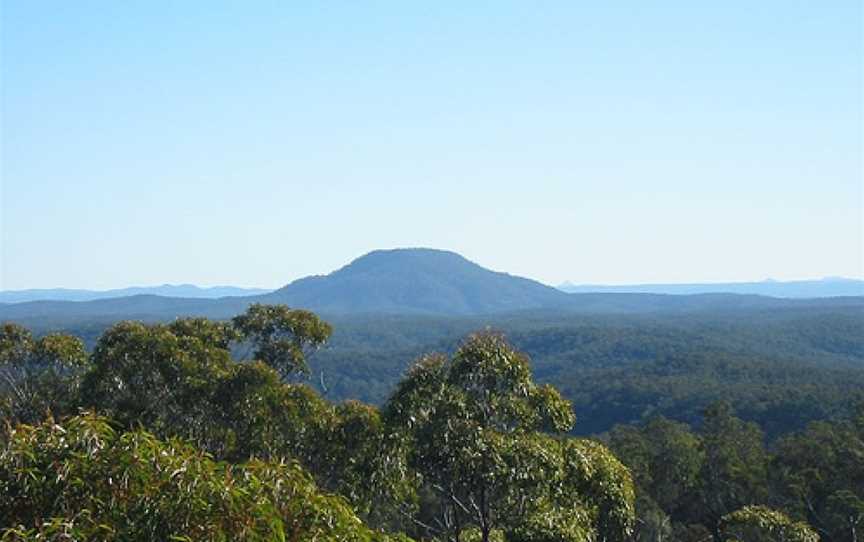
(845, 511)
(820, 474)
(480, 436)
(38, 377)
(282, 336)
(180, 380)
(762, 524)
(82, 480)
(665, 459)
(159, 376)
(734, 472)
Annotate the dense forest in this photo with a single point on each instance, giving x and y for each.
(782, 369)
(739, 426)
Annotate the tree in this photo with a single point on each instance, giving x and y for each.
(762, 524)
(160, 376)
(38, 376)
(734, 473)
(179, 380)
(474, 426)
(362, 460)
(281, 336)
(665, 458)
(820, 476)
(593, 476)
(82, 480)
(846, 511)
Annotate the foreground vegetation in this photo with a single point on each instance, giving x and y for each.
(204, 430)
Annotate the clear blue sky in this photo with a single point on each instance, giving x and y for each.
(252, 143)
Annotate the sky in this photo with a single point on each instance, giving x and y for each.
(253, 143)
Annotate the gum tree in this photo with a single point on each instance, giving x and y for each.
(83, 480)
(479, 433)
(282, 336)
(38, 376)
(762, 524)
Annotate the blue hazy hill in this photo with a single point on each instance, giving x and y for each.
(165, 290)
(417, 280)
(827, 287)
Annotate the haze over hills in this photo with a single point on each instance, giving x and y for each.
(827, 287)
(407, 281)
(166, 290)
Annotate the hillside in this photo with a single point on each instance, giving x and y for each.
(417, 281)
(782, 368)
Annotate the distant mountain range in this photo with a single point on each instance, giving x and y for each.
(167, 290)
(400, 281)
(827, 287)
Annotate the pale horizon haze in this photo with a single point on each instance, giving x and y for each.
(254, 143)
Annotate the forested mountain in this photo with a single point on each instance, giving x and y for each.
(407, 281)
(827, 287)
(167, 290)
(417, 281)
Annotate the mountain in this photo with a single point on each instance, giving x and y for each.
(407, 282)
(417, 281)
(827, 287)
(166, 290)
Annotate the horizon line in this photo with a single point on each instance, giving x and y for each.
(566, 283)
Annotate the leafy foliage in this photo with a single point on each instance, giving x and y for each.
(473, 427)
(689, 481)
(762, 524)
(281, 335)
(179, 380)
(820, 473)
(37, 376)
(83, 480)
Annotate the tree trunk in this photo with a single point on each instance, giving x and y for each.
(484, 510)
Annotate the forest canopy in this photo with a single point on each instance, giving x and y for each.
(217, 415)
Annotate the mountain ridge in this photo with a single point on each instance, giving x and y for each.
(404, 282)
(164, 290)
(825, 287)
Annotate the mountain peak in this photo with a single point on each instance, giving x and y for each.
(407, 259)
(417, 280)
